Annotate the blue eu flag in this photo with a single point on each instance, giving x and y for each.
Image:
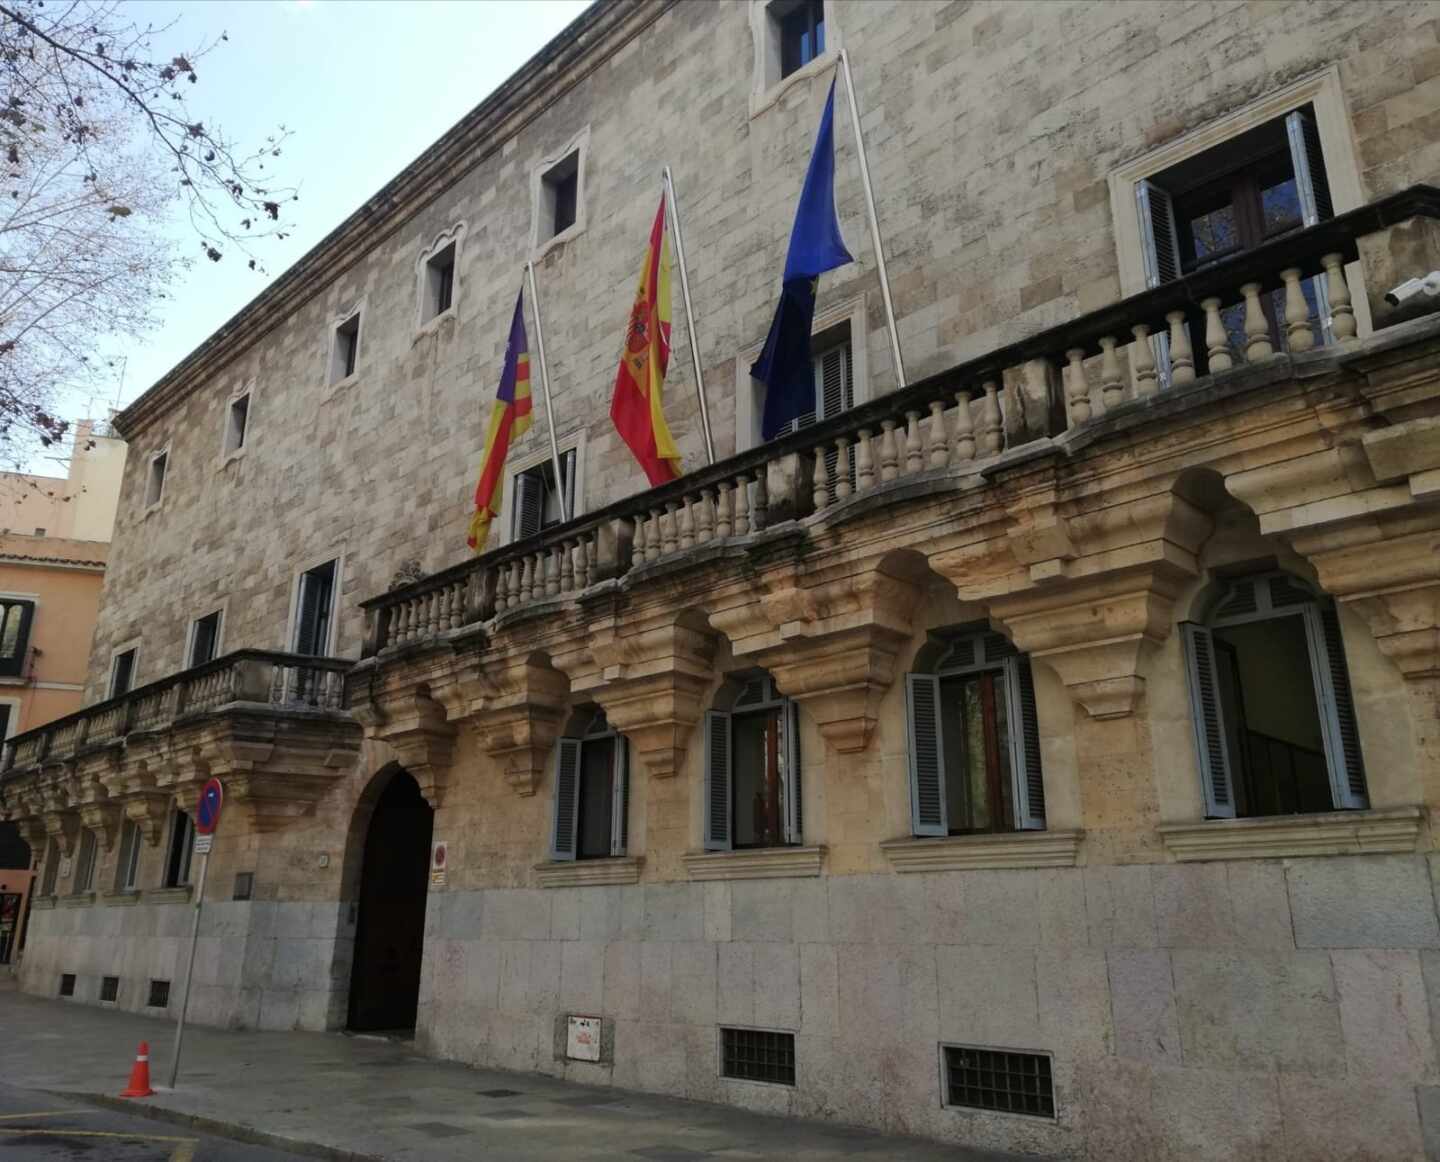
(815, 247)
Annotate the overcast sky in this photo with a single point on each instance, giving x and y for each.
(364, 88)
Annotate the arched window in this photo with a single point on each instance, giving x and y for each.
(1270, 697)
(974, 739)
(592, 790)
(752, 766)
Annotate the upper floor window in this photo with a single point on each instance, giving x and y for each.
(345, 348)
(128, 865)
(439, 288)
(155, 481)
(799, 29)
(537, 504)
(85, 863)
(237, 423)
(974, 740)
(15, 621)
(560, 189)
(1270, 697)
(1266, 182)
(592, 792)
(314, 609)
(204, 639)
(752, 766)
(182, 841)
(122, 672)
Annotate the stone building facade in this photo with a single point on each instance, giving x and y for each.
(1037, 756)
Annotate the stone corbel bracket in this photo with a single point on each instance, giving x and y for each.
(64, 828)
(417, 726)
(518, 720)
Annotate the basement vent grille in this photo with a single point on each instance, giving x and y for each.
(67, 984)
(159, 994)
(109, 989)
(244, 886)
(758, 1055)
(992, 1079)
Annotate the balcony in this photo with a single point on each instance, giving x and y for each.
(1052, 482)
(272, 725)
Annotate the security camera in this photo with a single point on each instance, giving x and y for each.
(1411, 287)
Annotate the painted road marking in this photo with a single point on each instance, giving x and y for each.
(184, 1150)
(45, 1114)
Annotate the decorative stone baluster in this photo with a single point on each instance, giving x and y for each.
(889, 452)
(1342, 310)
(552, 573)
(1182, 356)
(592, 549)
(992, 436)
(723, 526)
(1297, 312)
(637, 540)
(457, 605)
(1217, 342)
(431, 603)
(527, 581)
(517, 570)
(1077, 388)
(705, 518)
(567, 567)
(964, 429)
(820, 481)
(939, 451)
(687, 524)
(1142, 359)
(667, 529)
(843, 487)
(914, 451)
(1112, 383)
(864, 462)
(1257, 326)
(760, 510)
(742, 506)
(656, 539)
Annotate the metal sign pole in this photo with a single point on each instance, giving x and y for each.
(565, 498)
(689, 312)
(190, 966)
(874, 220)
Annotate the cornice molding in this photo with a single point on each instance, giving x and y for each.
(1017, 849)
(1387, 830)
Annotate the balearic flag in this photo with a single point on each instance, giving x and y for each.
(815, 247)
(509, 420)
(638, 406)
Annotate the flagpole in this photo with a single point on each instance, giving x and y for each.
(689, 313)
(565, 498)
(874, 220)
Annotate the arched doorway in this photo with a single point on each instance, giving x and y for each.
(390, 928)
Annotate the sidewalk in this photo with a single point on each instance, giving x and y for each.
(339, 1096)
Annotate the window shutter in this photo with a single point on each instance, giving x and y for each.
(1312, 188)
(1337, 708)
(718, 808)
(567, 504)
(834, 382)
(567, 798)
(790, 737)
(309, 615)
(529, 505)
(927, 755)
(1205, 713)
(620, 803)
(1160, 254)
(1025, 730)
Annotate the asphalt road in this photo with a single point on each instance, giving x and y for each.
(35, 1127)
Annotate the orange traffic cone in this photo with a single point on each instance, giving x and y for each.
(140, 1074)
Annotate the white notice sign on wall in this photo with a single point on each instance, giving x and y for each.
(583, 1043)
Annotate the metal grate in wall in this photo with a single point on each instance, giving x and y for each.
(159, 994)
(992, 1079)
(109, 988)
(758, 1055)
(67, 984)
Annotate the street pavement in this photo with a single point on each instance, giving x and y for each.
(330, 1095)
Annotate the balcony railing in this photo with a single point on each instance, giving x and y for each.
(278, 681)
(959, 418)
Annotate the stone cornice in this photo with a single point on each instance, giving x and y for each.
(1392, 829)
(585, 873)
(979, 852)
(585, 45)
(760, 863)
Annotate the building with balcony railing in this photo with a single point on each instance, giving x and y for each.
(1053, 735)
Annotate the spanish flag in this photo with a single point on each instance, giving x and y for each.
(638, 407)
(509, 419)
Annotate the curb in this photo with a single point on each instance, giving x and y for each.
(232, 1130)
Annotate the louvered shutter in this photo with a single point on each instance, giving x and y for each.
(719, 830)
(566, 502)
(1160, 254)
(1025, 730)
(307, 627)
(1337, 708)
(790, 738)
(1209, 727)
(529, 505)
(1312, 188)
(567, 798)
(927, 755)
(620, 801)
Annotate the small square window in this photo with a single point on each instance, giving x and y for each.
(537, 503)
(204, 638)
(159, 994)
(109, 989)
(15, 619)
(122, 672)
(67, 984)
(237, 422)
(799, 28)
(758, 1055)
(244, 886)
(991, 1079)
(561, 190)
(155, 483)
(440, 282)
(345, 350)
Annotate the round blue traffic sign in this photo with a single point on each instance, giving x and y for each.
(207, 815)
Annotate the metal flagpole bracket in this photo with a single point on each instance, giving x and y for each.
(566, 500)
(674, 208)
(874, 220)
